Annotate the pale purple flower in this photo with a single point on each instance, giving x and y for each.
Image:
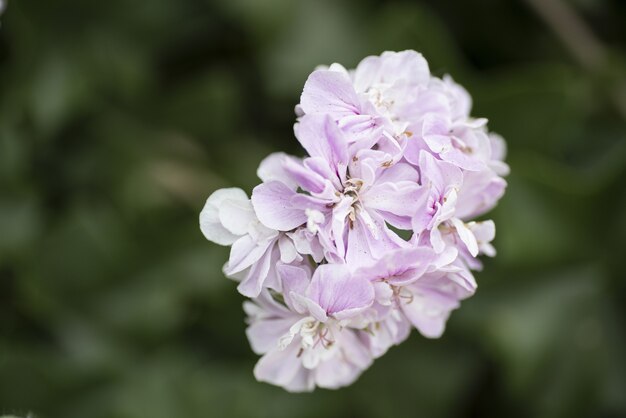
(358, 195)
(371, 233)
(309, 340)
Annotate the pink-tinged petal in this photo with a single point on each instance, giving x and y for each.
(343, 368)
(304, 177)
(390, 331)
(415, 145)
(399, 172)
(405, 67)
(273, 203)
(304, 304)
(318, 166)
(263, 335)
(363, 246)
(272, 169)
(210, 223)
(428, 310)
(461, 100)
(462, 159)
(464, 281)
(401, 199)
(259, 275)
(295, 280)
(439, 174)
(479, 194)
(400, 266)
(329, 92)
(408, 66)
(367, 73)
(436, 133)
(354, 349)
(466, 236)
(321, 137)
(335, 373)
(361, 128)
(338, 292)
(279, 367)
(245, 252)
(264, 306)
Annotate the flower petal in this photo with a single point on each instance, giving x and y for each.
(274, 205)
(338, 292)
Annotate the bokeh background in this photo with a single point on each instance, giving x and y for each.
(118, 118)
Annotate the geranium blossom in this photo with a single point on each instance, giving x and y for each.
(370, 234)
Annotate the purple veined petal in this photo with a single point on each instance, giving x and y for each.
(321, 137)
(401, 198)
(361, 127)
(273, 203)
(307, 179)
(318, 166)
(363, 247)
(210, 223)
(338, 292)
(272, 169)
(295, 280)
(329, 92)
(400, 266)
(466, 236)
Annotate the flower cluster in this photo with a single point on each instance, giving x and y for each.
(344, 251)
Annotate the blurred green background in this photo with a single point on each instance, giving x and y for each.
(118, 118)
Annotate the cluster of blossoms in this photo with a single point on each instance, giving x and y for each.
(344, 251)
